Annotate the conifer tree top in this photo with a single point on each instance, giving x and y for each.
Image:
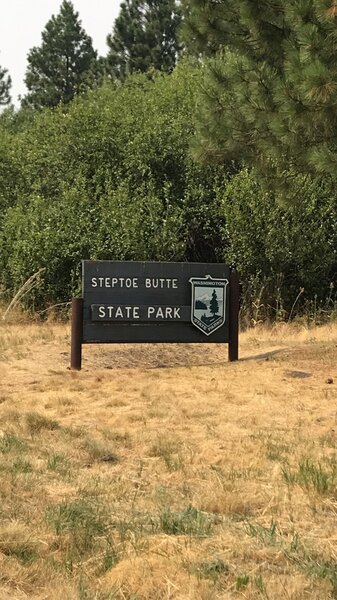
(5, 86)
(270, 93)
(61, 66)
(144, 36)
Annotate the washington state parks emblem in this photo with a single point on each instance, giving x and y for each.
(208, 307)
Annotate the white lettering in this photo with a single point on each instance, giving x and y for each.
(119, 312)
(161, 283)
(111, 282)
(132, 282)
(163, 312)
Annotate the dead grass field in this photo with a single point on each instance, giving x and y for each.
(163, 472)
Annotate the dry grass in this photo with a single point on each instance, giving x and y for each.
(163, 472)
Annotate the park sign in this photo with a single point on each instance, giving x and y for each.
(128, 302)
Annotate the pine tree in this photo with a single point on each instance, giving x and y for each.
(64, 64)
(144, 36)
(5, 85)
(270, 91)
(214, 305)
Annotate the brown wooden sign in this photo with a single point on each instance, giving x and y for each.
(155, 302)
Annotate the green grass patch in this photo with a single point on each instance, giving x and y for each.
(11, 443)
(24, 553)
(21, 466)
(96, 451)
(266, 535)
(35, 423)
(321, 477)
(58, 463)
(241, 582)
(191, 521)
(211, 569)
(82, 520)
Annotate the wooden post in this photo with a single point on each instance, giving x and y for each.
(234, 300)
(76, 333)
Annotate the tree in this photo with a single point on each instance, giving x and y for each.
(214, 305)
(5, 85)
(270, 94)
(63, 65)
(144, 36)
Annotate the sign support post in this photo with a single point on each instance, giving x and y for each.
(76, 333)
(234, 306)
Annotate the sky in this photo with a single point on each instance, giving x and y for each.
(22, 22)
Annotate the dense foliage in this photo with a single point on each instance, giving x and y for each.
(287, 256)
(110, 176)
(270, 92)
(63, 65)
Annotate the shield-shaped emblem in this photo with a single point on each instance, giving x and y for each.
(208, 306)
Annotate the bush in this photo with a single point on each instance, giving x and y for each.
(282, 253)
(109, 177)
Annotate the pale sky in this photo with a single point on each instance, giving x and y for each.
(22, 22)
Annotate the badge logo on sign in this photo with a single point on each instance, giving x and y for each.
(208, 306)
